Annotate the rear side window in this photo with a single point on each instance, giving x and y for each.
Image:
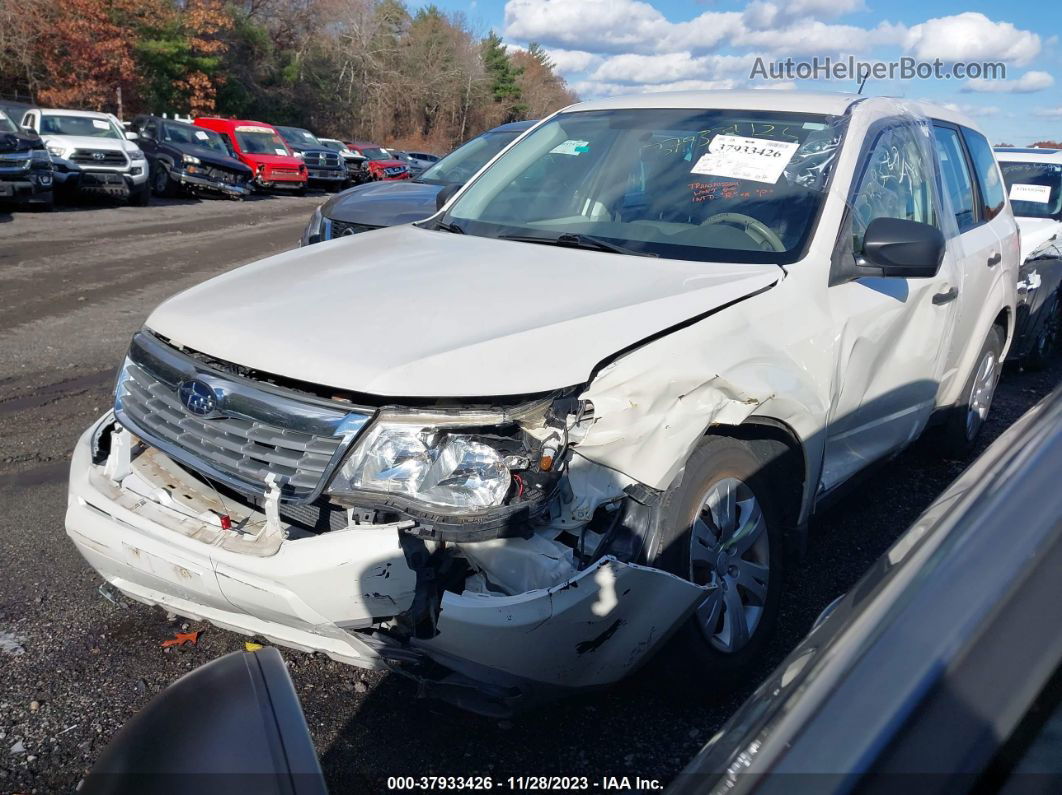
(955, 173)
(988, 177)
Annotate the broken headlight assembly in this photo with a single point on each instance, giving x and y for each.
(451, 469)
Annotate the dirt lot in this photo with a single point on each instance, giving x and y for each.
(74, 285)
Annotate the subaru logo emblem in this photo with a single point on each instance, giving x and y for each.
(98, 155)
(197, 397)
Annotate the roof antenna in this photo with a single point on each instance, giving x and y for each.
(862, 83)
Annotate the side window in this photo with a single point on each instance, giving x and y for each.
(955, 173)
(988, 178)
(152, 129)
(897, 182)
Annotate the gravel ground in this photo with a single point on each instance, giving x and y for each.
(75, 665)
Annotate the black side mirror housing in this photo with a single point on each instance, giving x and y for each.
(903, 249)
(445, 195)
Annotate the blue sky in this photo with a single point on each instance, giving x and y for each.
(608, 47)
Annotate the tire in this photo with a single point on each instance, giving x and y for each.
(958, 435)
(161, 183)
(46, 205)
(711, 651)
(1046, 342)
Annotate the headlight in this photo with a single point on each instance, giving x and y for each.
(40, 155)
(137, 155)
(57, 149)
(446, 467)
(298, 154)
(191, 159)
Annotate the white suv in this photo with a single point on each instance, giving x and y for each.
(587, 406)
(110, 163)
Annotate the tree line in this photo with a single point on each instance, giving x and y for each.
(344, 68)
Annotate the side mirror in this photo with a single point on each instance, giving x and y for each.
(445, 195)
(131, 136)
(903, 249)
(236, 716)
(27, 129)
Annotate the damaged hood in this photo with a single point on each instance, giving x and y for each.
(412, 312)
(1035, 232)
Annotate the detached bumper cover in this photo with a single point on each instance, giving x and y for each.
(155, 539)
(205, 183)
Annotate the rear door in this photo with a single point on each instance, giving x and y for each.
(980, 251)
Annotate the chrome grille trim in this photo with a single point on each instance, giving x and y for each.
(257, 429)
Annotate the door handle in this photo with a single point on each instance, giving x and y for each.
(995, 259)
(948, 295)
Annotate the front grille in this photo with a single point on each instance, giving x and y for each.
(99, 157)
(253, 432)
(321, 160)
(284, 172)
(394, 171)
(345, 229)
(228, 177)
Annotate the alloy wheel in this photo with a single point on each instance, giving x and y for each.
(981, 393)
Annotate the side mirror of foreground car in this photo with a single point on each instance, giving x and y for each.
(903, 249)
(445, 195)
(232, 719)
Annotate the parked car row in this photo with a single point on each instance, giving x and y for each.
(92, 153)
(582, 410)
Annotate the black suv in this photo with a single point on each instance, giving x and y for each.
(324, 166)
(25, 167)
(183, 156)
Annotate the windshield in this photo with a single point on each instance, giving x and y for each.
(374, 153)
(330, 143)
(193, 136)
(297, 137)
(458, 167)
(79, 125)
(6, 125)
(1035, 189)
(260, 141)
(728, 186)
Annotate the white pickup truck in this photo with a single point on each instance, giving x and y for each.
(585, 409)
(110, 163)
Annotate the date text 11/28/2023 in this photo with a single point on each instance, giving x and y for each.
(523, 783)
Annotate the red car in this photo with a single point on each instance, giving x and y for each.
(380, 164)
(260, 146)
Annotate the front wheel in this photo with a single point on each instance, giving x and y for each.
(965, 421)
(1046, 343)
(162, 183)
(720, 528)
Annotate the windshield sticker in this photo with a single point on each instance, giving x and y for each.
(571, 147)
(707, 191)
(253, 128)
(202, 136)
(1030, 193)
(755, 159)
(100, 125)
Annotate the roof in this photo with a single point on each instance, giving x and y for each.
(89, 114)
(514, 126)
(1008, 154)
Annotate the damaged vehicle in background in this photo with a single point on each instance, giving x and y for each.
(108, 163)
(26, 173)
(378, 161)
(260, 147)
(368, 207)
(1034, 182)
(324, 166)
(185, 157)
(586, 409)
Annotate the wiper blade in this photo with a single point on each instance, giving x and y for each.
(449, 227)
(589, 242)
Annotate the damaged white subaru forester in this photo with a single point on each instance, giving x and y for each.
(585, 409)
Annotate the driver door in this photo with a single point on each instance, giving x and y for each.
(891, 334)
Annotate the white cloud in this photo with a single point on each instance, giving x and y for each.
(810, 37)
(761, 14)
(596, 89)
(671, 67)
(1026, 84)
(572, 61)
(1049, 113)
(971, 110)
(971, 36)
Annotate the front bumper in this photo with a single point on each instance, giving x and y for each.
(153, 532)
(26, 186)
(331, 176)
(113, 183)
(197, 182)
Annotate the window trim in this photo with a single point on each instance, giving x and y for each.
(969, 154)
(979, 208)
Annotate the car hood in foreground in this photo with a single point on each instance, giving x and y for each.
(1035, 232)
(383, 203)
(411, 312)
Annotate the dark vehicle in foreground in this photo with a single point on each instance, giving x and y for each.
(943, 661)
(324, 166)
(376, 205)
(1034, 182)
(26, 174)
(189, 158)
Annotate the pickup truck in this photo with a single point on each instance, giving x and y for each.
(379, 162)
(26, 174)
(324, 166)
(260, 147)
(583, 411)
(110, 164)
